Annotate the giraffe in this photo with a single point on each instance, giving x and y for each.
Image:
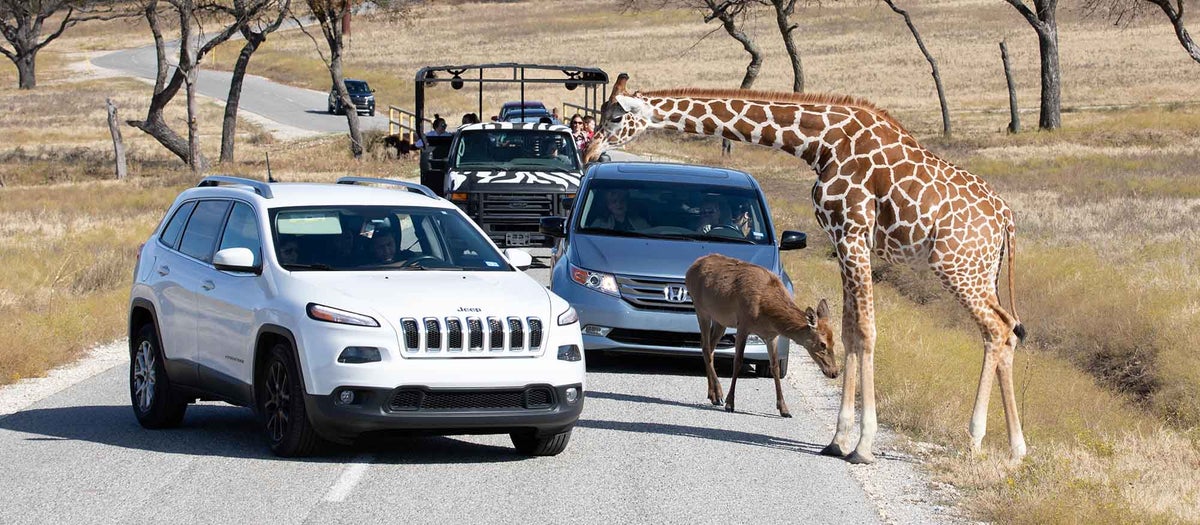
(877, 192)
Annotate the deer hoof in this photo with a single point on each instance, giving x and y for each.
(834, 450)
(716, 401)
(860, 459)
(728, 407)
(785, 414)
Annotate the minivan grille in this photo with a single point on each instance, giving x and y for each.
(651, 293)
(500, 336)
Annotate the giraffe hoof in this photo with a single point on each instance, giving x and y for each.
(860, 459)
(833, 450)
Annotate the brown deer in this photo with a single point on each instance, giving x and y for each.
(728, 292)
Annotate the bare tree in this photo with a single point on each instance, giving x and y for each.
(330, 15)
(783, 13)
(937, 77)
(257, 18)
(1043, 20)
(1124, 11)
(194, 45)
(21, 23)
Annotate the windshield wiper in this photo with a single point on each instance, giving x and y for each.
(618, 233)
(318, 266)
(707, 237)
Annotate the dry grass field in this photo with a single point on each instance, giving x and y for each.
(1107, 212)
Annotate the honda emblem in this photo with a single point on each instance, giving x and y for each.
(676, 293)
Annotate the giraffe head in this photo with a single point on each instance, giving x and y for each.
(622, 118)
(819, 339)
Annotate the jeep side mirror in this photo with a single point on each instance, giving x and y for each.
(553, 226)
(793, 240)
(519, 258)
(236, 260)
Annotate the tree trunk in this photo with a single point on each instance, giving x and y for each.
(335, 71)
(118, 144)
(783, 12)
(1050, 117)
(1014, 123)
(937, 77)
(729, 22)
(25, 70)
(1176, 18)
(229, 124)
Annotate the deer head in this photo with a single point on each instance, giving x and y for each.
(818, 339)
(622, 118)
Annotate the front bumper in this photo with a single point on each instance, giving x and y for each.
(646, 331)
(373, 412)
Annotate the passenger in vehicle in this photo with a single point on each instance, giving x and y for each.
(383, 247)
(589, 127)
(289, 253)
(581, 138)
(714, 213)
(470, 118)
(439, 130)
(618, 216)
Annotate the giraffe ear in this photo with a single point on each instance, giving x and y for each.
(619, 86)
(630, 104)
(812, 317)
(823, 309)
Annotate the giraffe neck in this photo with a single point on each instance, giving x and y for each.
(818, 133)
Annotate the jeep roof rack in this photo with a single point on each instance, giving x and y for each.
(410, 186)
(258, 186)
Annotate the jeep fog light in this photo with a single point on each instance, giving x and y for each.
(592, 329)
(346, 397)
(572, 395)
(755, 340)
(569, 353)
(359, 354)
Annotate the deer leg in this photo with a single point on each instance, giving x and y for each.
(739, 349)
(774, 355)
(708, 346)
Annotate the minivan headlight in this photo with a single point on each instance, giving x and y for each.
(601, 282)
(334, 315)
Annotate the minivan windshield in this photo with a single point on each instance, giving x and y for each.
(357, 87)
(361, 238)
(698, 212)
(507, 149)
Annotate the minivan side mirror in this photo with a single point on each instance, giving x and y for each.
(793, 240)
(236, 260)
(553, 226)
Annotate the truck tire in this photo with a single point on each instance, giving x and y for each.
(531, 444)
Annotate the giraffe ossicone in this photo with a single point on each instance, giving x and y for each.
(877, 192)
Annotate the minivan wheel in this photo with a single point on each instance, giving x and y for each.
(530, 443)
(763, 368)
(154, 404)
(280, 397)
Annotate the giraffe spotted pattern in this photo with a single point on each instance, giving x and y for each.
(878, 191)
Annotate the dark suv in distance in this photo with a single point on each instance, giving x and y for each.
(361, 95)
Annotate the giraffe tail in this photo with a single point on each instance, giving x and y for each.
(1018, 329)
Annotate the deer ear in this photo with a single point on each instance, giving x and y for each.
(823, 309)
(812, 317)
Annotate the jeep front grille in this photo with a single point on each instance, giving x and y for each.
(490, 336)
(421, 399)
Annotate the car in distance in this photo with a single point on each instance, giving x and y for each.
(633, 232)
(361, 95)
(513, 109)
(336, 311)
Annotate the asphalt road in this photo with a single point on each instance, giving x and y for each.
(290, 106)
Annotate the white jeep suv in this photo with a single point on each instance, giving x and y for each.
(337, 310)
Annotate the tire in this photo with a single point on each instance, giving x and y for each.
(329, 108)
(763, 368)
(530, 444)
(154, 403)
(371, 113)
(279, 394)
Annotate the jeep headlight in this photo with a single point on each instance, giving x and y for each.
(334, 315)
(601, 282)
(568, 317)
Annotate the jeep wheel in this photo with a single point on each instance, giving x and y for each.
(530, 444)
(280, 397)
(763, 368)
(154, 404)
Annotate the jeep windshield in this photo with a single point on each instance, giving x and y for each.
(364, 238)
(669, 210)
(515, 149)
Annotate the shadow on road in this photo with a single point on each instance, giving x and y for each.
(680, 365)
(227, 431)
(702, 404)
(715, 434)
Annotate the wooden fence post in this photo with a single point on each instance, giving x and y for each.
(118, 143)
(1014, 124)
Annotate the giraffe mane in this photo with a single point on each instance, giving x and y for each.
(780, 96)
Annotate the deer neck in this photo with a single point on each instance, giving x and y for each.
(787, 319)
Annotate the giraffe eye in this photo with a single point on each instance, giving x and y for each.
(617, 118)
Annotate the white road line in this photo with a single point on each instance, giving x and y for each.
(349, 478)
